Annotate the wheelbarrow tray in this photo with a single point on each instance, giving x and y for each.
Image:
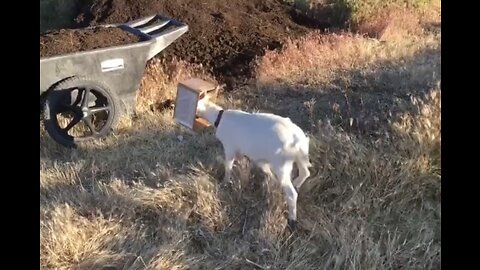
(119, 67)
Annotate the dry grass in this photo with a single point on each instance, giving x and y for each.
(149, 196)
(159, 83)
(316, 58)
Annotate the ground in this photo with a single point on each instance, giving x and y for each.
(150, 196)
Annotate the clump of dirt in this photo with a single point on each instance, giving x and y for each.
(77, 40)
(223, 35)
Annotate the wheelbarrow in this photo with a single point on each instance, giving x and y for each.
(83, 94)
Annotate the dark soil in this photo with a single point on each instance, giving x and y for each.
(224, 35)
(77, 40)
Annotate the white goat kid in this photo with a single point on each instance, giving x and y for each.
(268, 140)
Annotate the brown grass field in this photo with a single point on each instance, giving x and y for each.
(150, 195)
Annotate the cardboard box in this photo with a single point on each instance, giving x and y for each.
(188, 93)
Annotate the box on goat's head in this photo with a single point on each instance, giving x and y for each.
(188, 94)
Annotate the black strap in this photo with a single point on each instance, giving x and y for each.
(219, 117)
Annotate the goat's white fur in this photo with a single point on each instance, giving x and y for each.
(272, 142)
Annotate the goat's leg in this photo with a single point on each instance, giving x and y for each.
(229, 160)
(303, 174)
(291, 197)
(283, 173)
(265, 167)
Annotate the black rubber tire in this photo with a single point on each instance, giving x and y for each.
(62, 90)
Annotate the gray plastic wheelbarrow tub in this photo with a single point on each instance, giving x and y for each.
(119, 67)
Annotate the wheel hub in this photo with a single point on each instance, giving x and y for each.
(85, 112)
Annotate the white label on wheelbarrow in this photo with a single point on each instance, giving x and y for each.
(112, 64)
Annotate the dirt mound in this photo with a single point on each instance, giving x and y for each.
(76, 40)
(223, 35)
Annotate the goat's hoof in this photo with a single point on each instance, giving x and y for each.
(292, 224)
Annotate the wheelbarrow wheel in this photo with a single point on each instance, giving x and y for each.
(80, 109)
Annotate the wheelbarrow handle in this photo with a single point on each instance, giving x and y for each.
(157, 28)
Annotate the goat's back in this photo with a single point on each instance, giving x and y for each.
(259, 135)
